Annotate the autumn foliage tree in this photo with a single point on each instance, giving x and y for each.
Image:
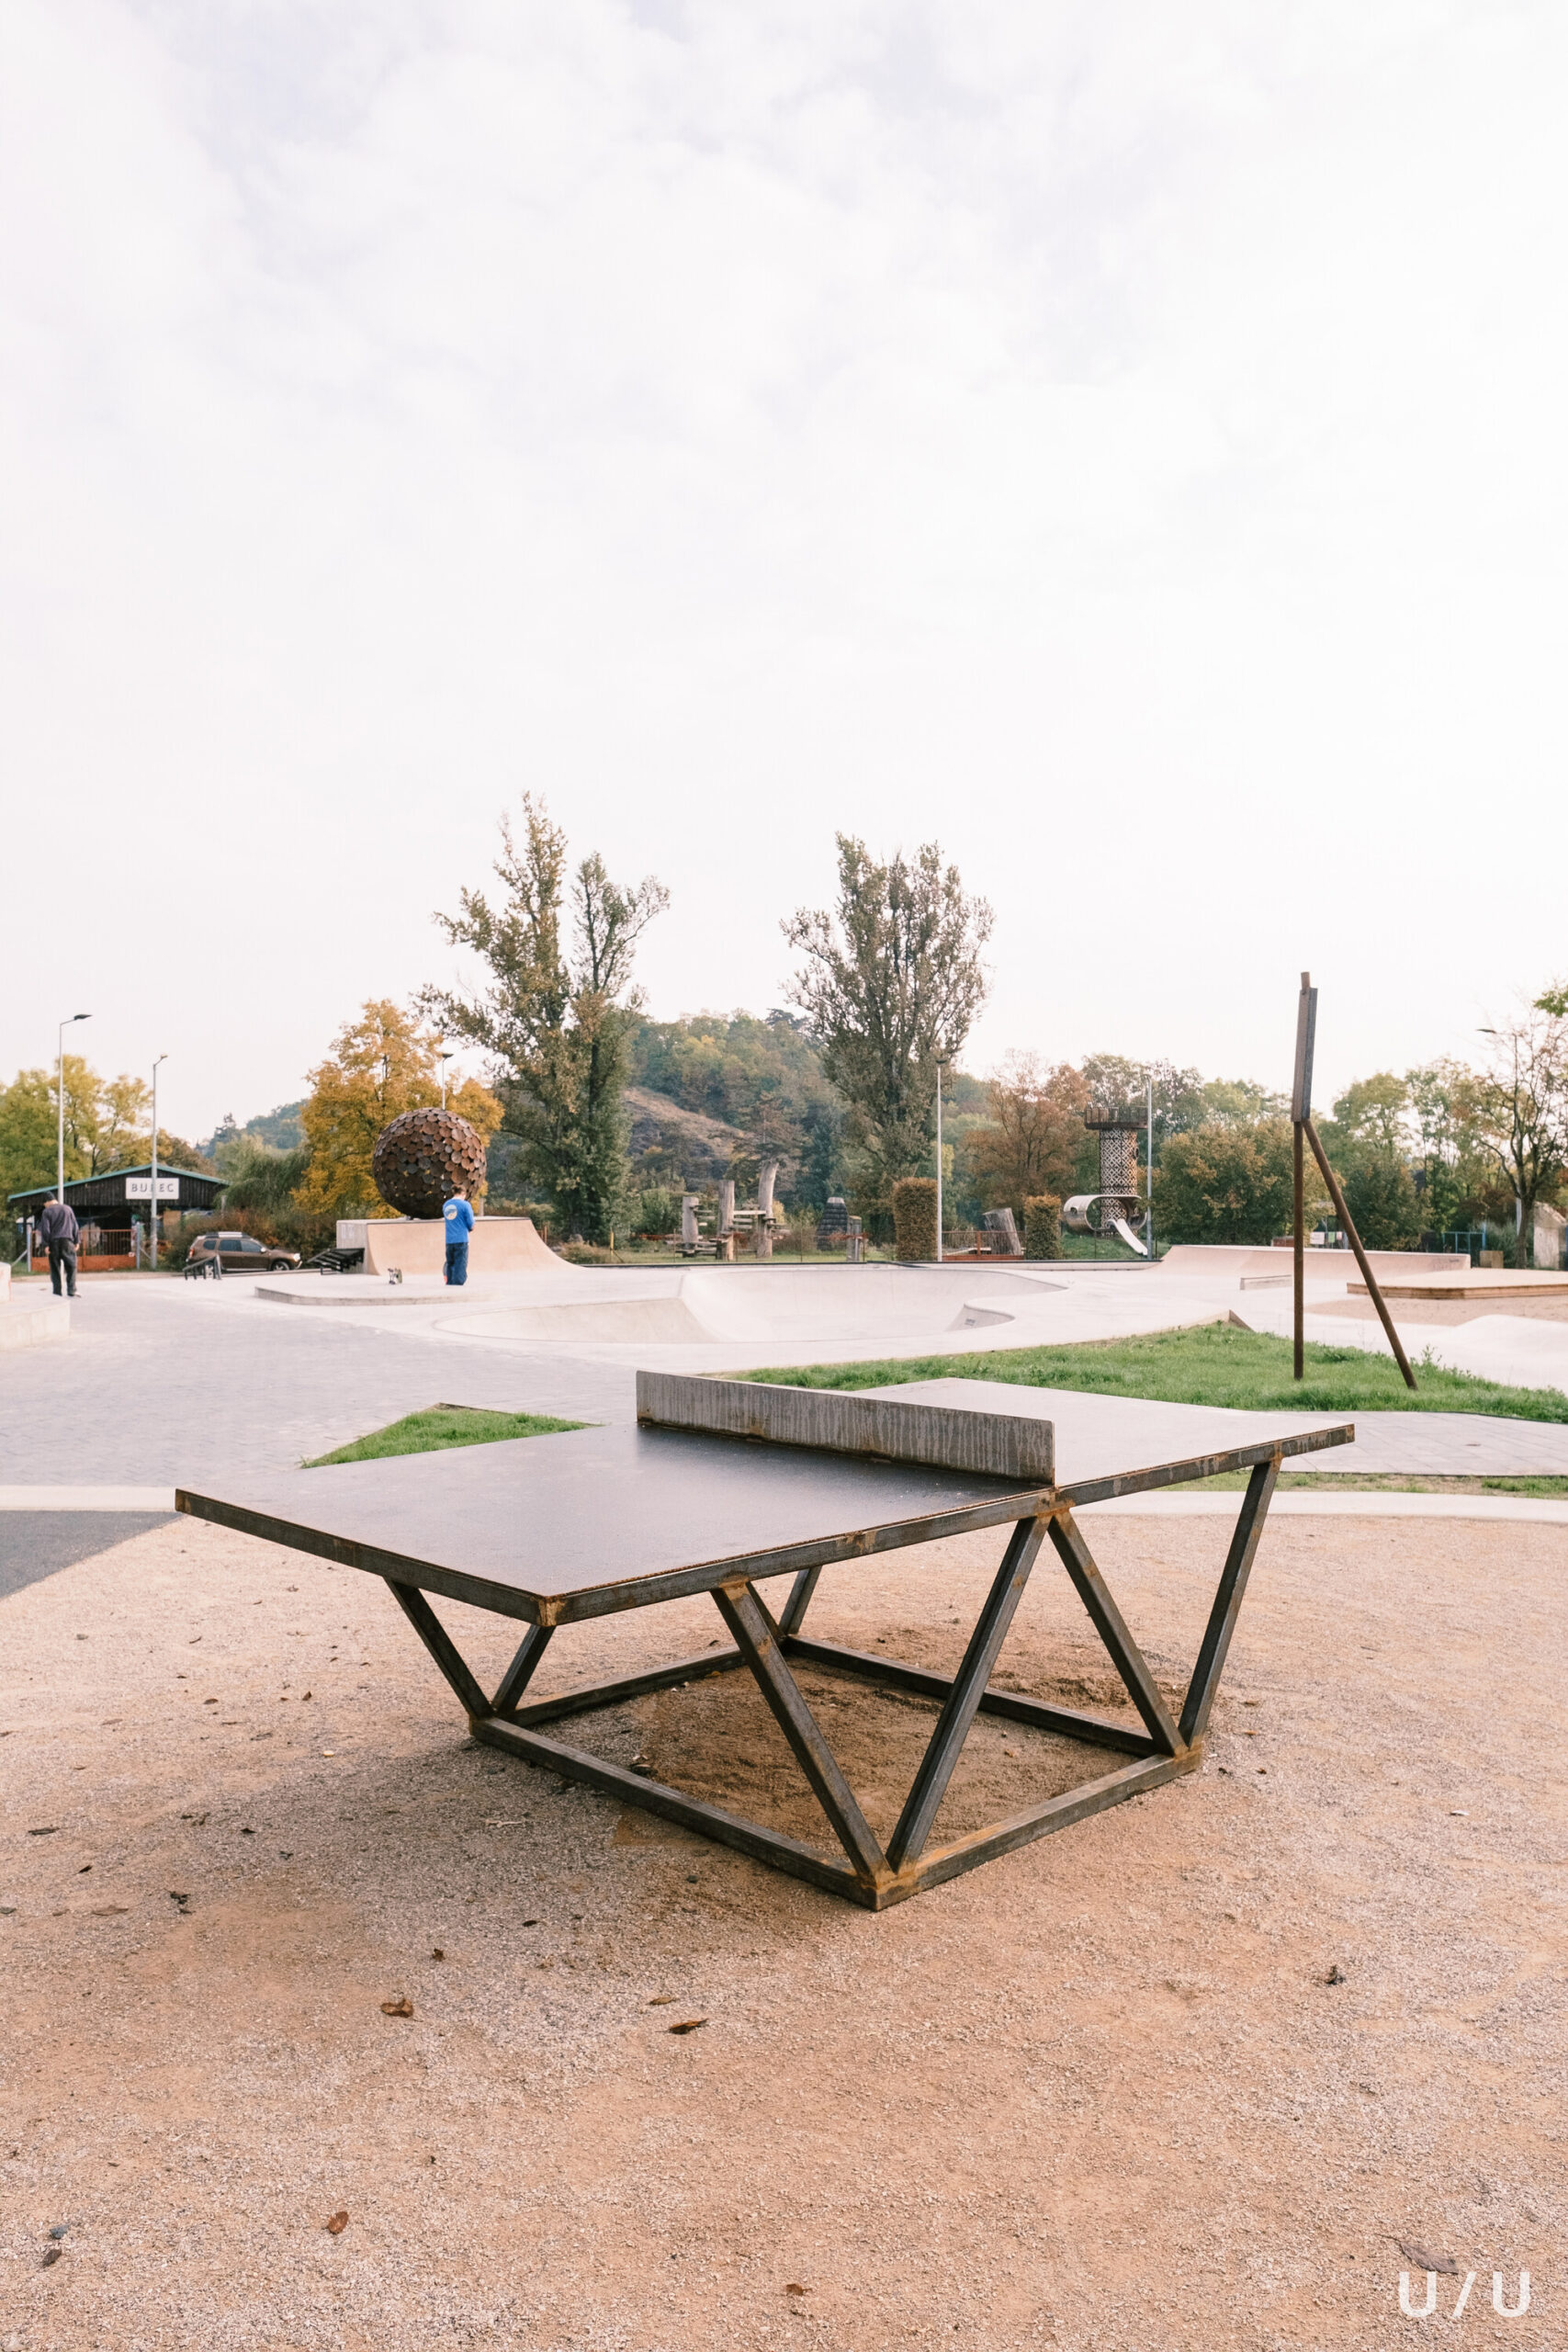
(108, 1125)
(1033, 1141)
(553, 1016)
(381, 1064)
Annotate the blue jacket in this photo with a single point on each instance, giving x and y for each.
(459, 1219)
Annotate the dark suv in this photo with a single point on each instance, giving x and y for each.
(238, 1253)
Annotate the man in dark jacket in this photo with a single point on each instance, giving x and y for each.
(60, 1233)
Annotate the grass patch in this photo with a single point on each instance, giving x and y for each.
(439, 1427)
(1207, 1364)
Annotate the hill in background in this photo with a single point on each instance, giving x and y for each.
(280, 1130)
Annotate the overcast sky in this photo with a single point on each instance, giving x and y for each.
(1123, 442)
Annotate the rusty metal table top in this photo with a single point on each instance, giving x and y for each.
(588, 1522)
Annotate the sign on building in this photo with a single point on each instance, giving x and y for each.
(140, 1188)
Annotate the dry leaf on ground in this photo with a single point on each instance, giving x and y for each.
(1425, 2261)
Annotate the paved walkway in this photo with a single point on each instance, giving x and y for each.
(166, 1383)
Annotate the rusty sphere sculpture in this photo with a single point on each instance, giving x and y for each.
(422, 1158)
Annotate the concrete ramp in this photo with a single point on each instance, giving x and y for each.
(783, 1307)
(500, 1245)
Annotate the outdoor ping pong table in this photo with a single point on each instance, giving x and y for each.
(722, 1485)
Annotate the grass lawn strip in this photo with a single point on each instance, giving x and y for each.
(1206, 1363)
(438, 1426)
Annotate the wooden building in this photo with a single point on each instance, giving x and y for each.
(107, 1207)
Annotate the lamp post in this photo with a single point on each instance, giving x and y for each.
(1518, 1197)
(444, 1058)
(60, 1101)
(939, 1071)
(152, 1209)
(1149, 1161)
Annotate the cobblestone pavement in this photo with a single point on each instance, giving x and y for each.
(160, 1382)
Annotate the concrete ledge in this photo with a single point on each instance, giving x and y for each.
(1322, 1265)
(32, 1322)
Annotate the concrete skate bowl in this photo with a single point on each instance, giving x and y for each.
(767, 1305)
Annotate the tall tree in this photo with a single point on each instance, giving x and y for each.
(1515, 1112)
(555, 1021)
(892, 981)
(381, 1064)
(1453, 1182)
(1226, 1182)
(1034, 1138)
(105, 1126)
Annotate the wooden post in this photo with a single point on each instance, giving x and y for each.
(1342, 1212)
(1300, 1112)
(1299, 1249)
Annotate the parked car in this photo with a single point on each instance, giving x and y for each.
(238, 1253)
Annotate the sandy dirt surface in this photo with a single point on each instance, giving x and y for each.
(1207, 2071)
(1450, 1311)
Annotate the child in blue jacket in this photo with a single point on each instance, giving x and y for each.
(459, 1219)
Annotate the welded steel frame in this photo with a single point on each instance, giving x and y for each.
(868, 1874)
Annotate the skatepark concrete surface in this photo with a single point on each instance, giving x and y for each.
(775, 1304)
(705, 1319)
(778, 1305)
(746, 1316)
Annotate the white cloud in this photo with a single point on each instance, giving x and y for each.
(1121, 442)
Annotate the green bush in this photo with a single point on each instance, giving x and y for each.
(1224, 1183)
(914, 1218)
(1042, 1227)
(1381, 1197)
(656, 1212)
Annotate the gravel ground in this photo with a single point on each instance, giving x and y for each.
(1207, 2071)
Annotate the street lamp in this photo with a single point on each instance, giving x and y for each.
(1149, 1159)
(1518, 1197)
(152, 1211)
(60, 1101)
(939, 1071)
(443, 1059)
